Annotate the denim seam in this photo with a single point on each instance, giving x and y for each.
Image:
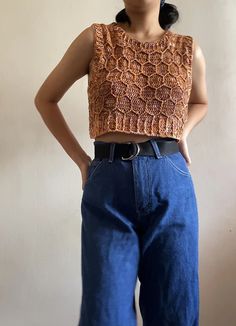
(135, 185)
(149, 185)
(176, 167)
(94, 168)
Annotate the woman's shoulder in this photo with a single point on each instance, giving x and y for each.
(181, 36)
(99, 24)
(182, 40)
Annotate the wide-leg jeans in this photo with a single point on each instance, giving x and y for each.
(139, 220)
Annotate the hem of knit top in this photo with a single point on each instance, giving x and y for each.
(143, 126)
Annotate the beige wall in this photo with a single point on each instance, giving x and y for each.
(40, 186)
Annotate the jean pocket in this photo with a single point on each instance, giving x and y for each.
(177, 162)
(94, 166)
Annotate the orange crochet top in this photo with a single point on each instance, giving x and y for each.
(139, 87)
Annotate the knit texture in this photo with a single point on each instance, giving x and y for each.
(139, 87)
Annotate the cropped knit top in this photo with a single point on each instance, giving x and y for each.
(139, 87)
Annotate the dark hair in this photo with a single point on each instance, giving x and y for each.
(168, 15)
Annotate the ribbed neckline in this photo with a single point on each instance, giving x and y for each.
(134, 40)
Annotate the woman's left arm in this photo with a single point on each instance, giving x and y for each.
(198, 101)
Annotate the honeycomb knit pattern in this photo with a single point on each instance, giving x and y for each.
(139, 87)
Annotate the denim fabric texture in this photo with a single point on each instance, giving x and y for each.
(139, 220)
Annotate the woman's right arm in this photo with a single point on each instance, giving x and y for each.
(73, 65)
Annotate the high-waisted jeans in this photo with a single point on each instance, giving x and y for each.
(139, 219)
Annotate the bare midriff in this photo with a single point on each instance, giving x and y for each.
(121, 137)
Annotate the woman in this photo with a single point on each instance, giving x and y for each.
(146, 92)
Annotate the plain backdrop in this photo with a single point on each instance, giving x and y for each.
(41, 187)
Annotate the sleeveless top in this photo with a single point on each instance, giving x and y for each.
(139, 87)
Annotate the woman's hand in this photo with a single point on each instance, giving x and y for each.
(84, 170)
(183, 148)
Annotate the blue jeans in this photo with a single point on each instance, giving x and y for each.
(139, 219)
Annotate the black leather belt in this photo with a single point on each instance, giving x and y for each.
(130, 150)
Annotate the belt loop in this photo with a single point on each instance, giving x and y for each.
(111, 154)
(155, 148)
(94, 147)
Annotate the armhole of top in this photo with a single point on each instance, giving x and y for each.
(191, 47)
(93, 26)
(191, 43)
(97, 40)
(191, 54)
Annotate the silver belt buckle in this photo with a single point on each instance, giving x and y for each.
(136, 149)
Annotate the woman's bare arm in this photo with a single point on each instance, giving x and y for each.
(198, 102)
(73, 65)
